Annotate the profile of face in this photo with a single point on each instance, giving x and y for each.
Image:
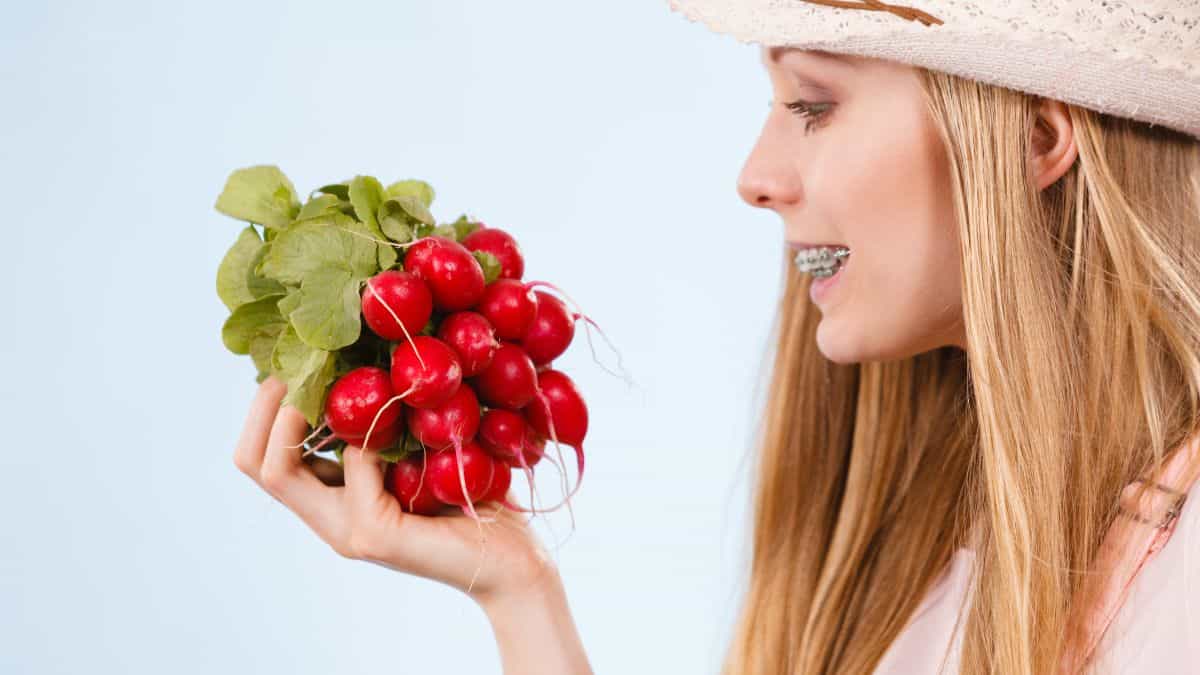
(856, 161)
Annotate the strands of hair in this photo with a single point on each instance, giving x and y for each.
(871, 475)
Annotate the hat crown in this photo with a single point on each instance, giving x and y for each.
(1131, 59)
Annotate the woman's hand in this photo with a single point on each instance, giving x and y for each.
(362, 520)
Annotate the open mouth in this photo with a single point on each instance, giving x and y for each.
(821, 262)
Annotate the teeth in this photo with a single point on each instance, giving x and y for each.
(822, 261)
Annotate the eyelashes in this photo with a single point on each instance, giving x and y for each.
(813, 112)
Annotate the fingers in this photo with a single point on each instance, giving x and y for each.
(252, 444)
(285, 475)
(364, 478)
(366, 499)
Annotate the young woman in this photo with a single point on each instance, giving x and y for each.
(982, 427)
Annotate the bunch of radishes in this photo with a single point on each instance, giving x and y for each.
(451, 380)
(479, 395)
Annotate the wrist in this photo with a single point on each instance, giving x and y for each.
(543, 587)
(538, 607)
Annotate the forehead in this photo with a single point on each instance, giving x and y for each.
(775, 55)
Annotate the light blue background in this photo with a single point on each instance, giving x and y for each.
(607, 136)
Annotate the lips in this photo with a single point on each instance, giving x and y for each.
(804, 244)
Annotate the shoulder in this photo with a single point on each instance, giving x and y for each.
(1158, 626)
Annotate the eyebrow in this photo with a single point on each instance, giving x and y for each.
(775, 54)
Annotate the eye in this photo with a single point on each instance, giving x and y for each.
(813, 111)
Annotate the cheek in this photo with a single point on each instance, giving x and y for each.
(902, 230)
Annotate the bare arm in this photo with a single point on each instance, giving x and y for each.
(535, 631)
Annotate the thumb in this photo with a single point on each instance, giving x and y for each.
(364, 477)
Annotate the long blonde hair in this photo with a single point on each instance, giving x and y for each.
(1081, 305)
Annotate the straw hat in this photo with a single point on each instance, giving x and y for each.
(1130, 58)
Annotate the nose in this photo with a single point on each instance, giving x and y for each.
(752, 191)
(767, 179)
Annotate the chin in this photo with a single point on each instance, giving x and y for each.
(836, 347)
(846, 347)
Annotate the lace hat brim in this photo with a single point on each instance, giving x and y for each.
(1139, 60)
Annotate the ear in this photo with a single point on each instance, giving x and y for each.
(1052, 150)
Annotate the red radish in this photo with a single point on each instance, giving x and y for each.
(506, 436)
(445, 479)
(454, 422)
(509, 306)
(425, 372)
(560, 414)
(552, 329)
(359, 399)
(396, 305)
(408, 480)
(569, 415)
(535, 447)
(510, 381)
(501, 480)
(471, 337)
(500, 244)
(454, 276)
(380, 438)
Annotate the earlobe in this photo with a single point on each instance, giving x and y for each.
(1052, 150)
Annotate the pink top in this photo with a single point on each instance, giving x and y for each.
(1153, 628)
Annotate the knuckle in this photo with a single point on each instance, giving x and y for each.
(274, 478)
(243, 464)
(343, 549)
(361, 544)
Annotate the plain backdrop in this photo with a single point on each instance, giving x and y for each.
(606, 136)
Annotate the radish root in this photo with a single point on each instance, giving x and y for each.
(623, 375)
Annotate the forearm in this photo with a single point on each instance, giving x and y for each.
(536, 633)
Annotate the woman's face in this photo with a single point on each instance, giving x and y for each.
(870, 174)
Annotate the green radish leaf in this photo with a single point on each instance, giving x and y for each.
(307, 371)
(233, 273)
(262, 345)
(338, 453)
(259, 194)
(258, 285)
(406, 446)
(393, 454)
(464, 227)
(288, 303)
(254, 329)
(446, 231)
(396, 229)
(329, 261)
(411, 208)
(248, 320)
(411, 444)
(490, 265)
(388, 255)
(339, 190)
(419, 189)
(366, 194)
(328, 309)
(320, 206)
(430, 327)
(342, 243)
